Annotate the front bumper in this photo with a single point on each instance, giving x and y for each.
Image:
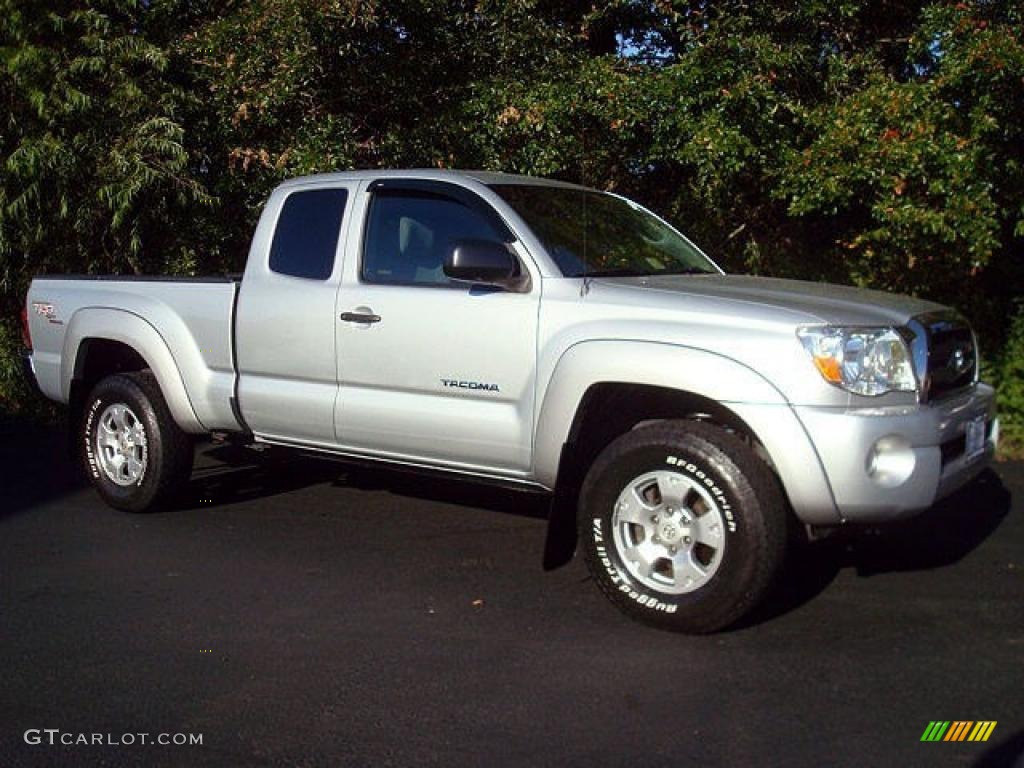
(923, 446)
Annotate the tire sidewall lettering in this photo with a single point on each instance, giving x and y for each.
(640, 598)
(717, 493)
(88, 436)
(92, 466)
(616, 571)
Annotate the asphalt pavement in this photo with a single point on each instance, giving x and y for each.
(297, 612)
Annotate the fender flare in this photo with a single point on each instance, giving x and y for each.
(133, 331)
(751, 398)
(671, 366)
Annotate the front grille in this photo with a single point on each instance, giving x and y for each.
(952, 359)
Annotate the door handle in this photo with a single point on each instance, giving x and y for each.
(360, 317)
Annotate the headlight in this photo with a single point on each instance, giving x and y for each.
(865, 361)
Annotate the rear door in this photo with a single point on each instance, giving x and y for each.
(431, 370)
(286, 321)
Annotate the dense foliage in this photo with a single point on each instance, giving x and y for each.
(864, 141)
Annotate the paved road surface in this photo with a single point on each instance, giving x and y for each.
(298, 612)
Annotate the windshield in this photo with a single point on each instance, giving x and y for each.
(595, 233)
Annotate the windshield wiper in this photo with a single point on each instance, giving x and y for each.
(624, 272)
(686, 271)
(628, 272)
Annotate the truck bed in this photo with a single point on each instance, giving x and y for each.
(191, 316)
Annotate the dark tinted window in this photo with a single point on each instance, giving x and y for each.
(409, 234)
(588, 232)
(307, 232)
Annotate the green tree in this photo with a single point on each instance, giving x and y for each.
(863, 141)
(95, 176)
(920, 178)
(293, 87)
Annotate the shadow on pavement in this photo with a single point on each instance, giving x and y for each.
(229, 474)
(448, 491)
(37, 467)
(233, 474)
(1008, 753)
(943, 535)
(949, 531)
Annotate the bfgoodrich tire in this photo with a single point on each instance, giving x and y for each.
(682, 525)
(134, 453)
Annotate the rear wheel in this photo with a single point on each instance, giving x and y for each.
(682, 525)
(134, 453)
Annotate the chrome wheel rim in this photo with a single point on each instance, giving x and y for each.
(669, 532)
(121, 445)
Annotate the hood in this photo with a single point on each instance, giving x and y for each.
(818, 302)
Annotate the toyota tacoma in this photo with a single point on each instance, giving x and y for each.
(537, 334)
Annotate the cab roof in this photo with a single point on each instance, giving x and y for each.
(439, 174)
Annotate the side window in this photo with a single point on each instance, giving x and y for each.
(408, 235)
(306, 237)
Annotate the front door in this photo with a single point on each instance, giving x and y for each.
(431, 370)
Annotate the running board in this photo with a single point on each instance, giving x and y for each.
(500, 481)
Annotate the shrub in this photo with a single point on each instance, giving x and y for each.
(1008, 374)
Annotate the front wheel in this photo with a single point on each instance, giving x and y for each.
(130, 446)
(682, 525)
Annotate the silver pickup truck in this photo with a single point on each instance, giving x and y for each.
(538, 334)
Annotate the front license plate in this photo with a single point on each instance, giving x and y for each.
(975, 437)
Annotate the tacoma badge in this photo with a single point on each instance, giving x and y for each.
(469, 385)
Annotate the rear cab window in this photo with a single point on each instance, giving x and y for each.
(306, 236)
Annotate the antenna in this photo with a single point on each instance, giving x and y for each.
(585, 286)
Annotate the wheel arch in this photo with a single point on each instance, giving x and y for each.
(600, 390)
(100, 342)
(593, 376)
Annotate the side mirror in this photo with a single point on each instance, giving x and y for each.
(485, 262)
